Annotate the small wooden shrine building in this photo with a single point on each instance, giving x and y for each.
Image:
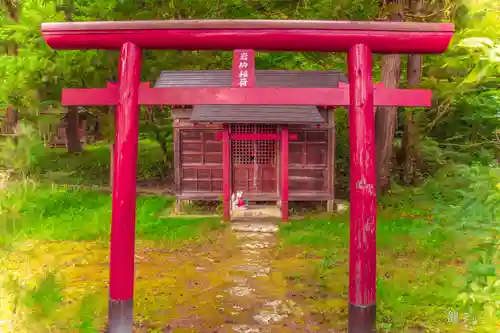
(255, 130)
(58, 137)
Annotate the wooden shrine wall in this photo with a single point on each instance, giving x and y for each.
(311, 160)
(198, 161)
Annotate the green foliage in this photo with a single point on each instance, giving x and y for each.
(463, 120)
(61, 213)
(413, 290)
(39, 304)
(427, 237)
(92, 165)
(86, 318)
(465, 82)
(478, 214)
(341, 151)
(479, 208)
(466, 201)
(30, 212)
(158, 127)
(38, 73)
(480, 295)
(44, 298)
(23, 150)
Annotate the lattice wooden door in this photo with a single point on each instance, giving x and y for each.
(254, 162)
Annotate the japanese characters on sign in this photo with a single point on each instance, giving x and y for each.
(243, 68)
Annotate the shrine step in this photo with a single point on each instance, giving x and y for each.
(254, 226)
(257, 211)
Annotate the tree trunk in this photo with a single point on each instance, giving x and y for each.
(68, 8)
(12, 49)
(11, 120)
(411, 136)
(13, 9)
(72, 127)
(386, 117)
(72, 131)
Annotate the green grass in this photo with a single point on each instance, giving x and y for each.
(61, 213)
(437, 251)
(92, 165)
(77, 219)
(423, 257)
(418, 275)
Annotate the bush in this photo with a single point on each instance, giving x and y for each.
(22, 151)
(466, 201)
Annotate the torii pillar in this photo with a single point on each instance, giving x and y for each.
(362, 179)
(121, 279)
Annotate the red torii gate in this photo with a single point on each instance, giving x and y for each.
(359, 39)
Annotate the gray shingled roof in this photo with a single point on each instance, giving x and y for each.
(277, 114)
(264, 78)
(255, 114)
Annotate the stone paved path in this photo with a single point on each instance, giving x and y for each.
(254, 297)
(257, 293)
(255, 239)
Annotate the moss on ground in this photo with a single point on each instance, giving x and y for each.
(56, 258)
(56, 254)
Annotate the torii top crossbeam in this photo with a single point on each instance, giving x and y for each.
(265, 35)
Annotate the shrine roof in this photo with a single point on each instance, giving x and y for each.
(257, 114)
(276, 114)
(264, 79)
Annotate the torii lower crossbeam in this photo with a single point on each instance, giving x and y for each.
(249, 96)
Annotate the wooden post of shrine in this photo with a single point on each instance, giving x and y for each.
(121, 280)
(362, 244)
(226, 172)
(284, 173)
